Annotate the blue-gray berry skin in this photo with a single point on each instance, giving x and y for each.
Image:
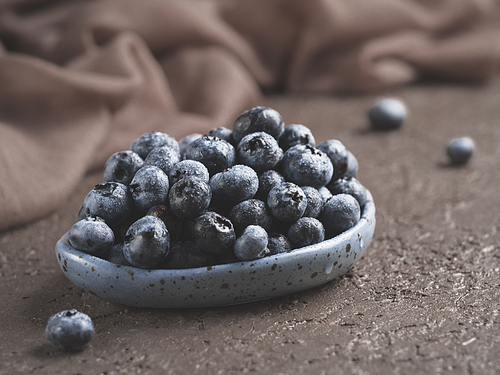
(387, 114)
(258, 119)
(325, 194)
(352, 165)
(306, 231)
(340, 213)
(185, 142)
(252, 244)
(111, 201)
(121, 167)
(278, 243)
(214, 233)
(234, 185)
(268, 180)
(222, 133)
(259, 151)
(287, 202)
(163, 157)
(250, 212)
(296, 134)
(338, 155)
(186, 168)
(186, 254)
(147, 142)
(173, 223)
(349, 186)
(149, 188)
(146, 243)
(189, 197)
(69, 330)
(214, 153)
(314, 201)
(92, 236)
(306, 165)
(116, 256)
(460, 150)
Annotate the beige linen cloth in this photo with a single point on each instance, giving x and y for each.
(80, 80)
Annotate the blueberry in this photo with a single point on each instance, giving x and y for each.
(306, 231)
(91, 235)
(116, 256)
(146, 243)
(287, 201)
(338, 155)
(460, 150)
(222, 133)
(214, 233)
(215, 153)
(111, 201)
(259, 150)
(186, 254)
(278, 243)
(258, 119)
(186, 168)
(69, 330)
(252, 244)
(149, 188)
(172, 222)
(189, 197)
(349, 186)
(234, 185)
(296, 134)
(314, 201)
(185, 142)
(164, 158)
(268, 180)
(340, 213)
(387, 114)
(352, 165)
(306, 165)
(250, 212)
(121, 167)
(147, 142)
(325, 193)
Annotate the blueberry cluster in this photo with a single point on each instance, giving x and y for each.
(256, 190)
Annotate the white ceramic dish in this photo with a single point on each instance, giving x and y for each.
(226, 284)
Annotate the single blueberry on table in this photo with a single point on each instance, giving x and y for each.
(287, 202)
(111, 201)
(146, 243)
(189, 197)
(149, 188)
(164, 158)
(234, 185)
(215, 153)
(340, 213)
(306, 165)
(121, 167)
(278, 243)
(186, 254)
(349, 186)
(214, 233)
(306, 231)
(338, 155)
(259, 151)
(250, 212)
(186, 168)
(172, 222)
(252, 244)
(387, 114)
(314, 201)
(69, 330)
(258, 119)
(147, 142)
(460, 150)
(296, 134)
(185, 142)
(92, 236)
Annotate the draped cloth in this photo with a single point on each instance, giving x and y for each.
(80, 80)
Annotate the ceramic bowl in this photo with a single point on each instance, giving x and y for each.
(219, 285)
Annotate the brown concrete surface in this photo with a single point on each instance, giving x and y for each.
(422, 300)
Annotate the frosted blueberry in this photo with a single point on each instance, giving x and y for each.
(259, 151)
(258, 119)
(352, 165)
(340, 213)
(267, 180)
(252, 244)
(287, 201)
(186, 168)
(149, 188)
(278, 243)
(121, 167)
(250, 212)
(189, 197)
(325, 193)
(185, 142)
(314, 201)
(349, 186)
(147, 142)
(234, 185)
(306, 231)
(214, 233)
(69, 330)
(387, 114)
(91, 235)
(222, 133)
(215, 153)
(306, 165)
(338, 155)
(164, 158)
(296, 134)
(146, 243)
(460, 150)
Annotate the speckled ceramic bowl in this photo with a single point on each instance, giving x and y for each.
(226, 284)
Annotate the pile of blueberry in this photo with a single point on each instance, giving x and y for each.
(256, 190)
